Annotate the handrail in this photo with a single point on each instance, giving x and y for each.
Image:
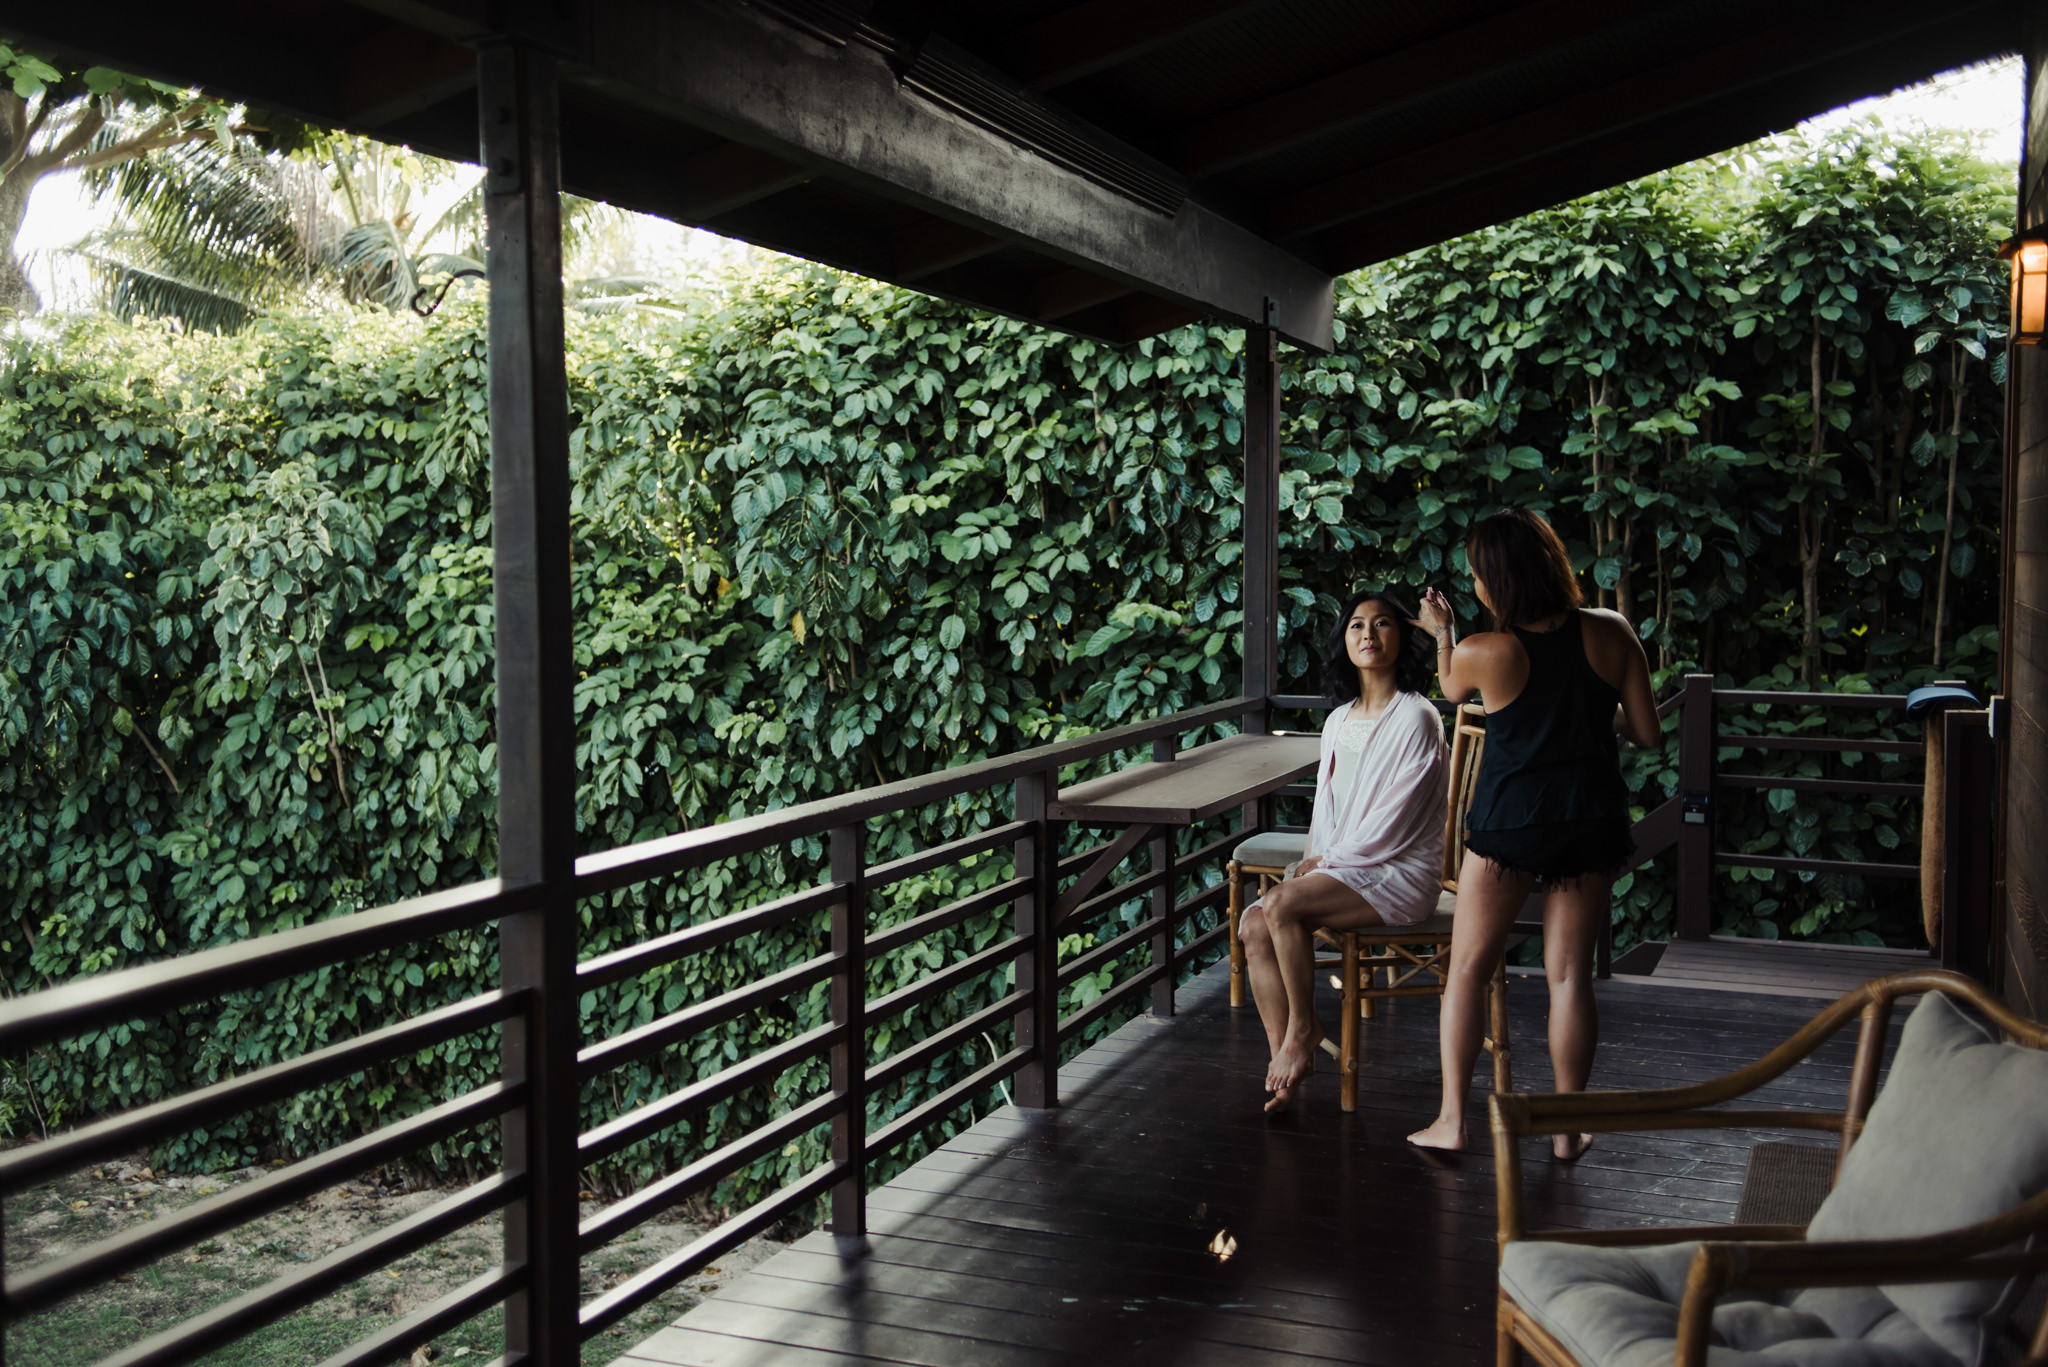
(989, 998)
(667, 854)
(110, 998)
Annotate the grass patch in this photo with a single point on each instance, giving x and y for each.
(83, 1208)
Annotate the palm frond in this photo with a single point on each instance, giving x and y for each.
(373, 266)
(225, 221)
(132, 291)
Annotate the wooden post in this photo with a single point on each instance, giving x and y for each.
(536, 733)
(1163, 751)
(1261, 585)
(850, 1055)
(1970, 762)
(1036, 859)
(1696, 789)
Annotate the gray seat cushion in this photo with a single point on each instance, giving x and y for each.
(1618, 1307)
(1959, 1133)
(1272, 850)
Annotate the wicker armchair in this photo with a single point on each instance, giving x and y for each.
(1718, 1293)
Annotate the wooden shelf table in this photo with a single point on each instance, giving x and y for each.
(1150, 799)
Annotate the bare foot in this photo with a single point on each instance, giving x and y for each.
(1568, 1147)
(1294, 1060)
(1282, 1098)
(1440, 1134)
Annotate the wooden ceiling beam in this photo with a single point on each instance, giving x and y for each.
(1700, 131)
(1290, 117)
(1088, 38)
(1839, 30)
(844, 112)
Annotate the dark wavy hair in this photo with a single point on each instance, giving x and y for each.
(1411, 665)
(1528, 574)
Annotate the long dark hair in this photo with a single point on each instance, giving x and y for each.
(1411, 664)
(1528, 574)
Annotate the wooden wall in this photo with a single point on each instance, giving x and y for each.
(2024, 743)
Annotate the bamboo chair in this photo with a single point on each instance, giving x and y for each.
(1767, 1256)
(1390, 961)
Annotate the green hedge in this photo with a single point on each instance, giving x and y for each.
(831, 533)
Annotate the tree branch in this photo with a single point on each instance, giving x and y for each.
(175, 788)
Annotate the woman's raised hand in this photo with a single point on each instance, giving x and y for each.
(1435, 614)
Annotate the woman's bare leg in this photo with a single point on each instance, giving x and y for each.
(1572, 918)
(1487, 903)
(1269, 994)
(1293, 911)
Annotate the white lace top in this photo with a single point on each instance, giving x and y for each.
(1352, 734)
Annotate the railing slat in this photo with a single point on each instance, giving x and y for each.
(1820, 785)
(276, 1299)
(1856, 867)
(1821, 744)
(714, 1167)
(1865, 702)
(680, 944)
(624, 1299)
(48, 1282)
(910, 1123)
(133, 1129)
(924, 989)
(1109, 1000)
(151, 989)
(915, 929)
(657, 1035)
(657, 1115)
(898, 1065)
(939, 856)
(429, 1322)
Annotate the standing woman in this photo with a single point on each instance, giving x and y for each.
(1558, 681)
(1375, 846)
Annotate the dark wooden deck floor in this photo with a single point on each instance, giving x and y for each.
(1085, 1234)
(1770, 968)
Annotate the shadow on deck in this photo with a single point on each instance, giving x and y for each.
(1086, 1234)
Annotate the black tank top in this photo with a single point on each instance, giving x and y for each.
(1552, 755)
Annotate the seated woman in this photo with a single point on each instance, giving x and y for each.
(1376, 840)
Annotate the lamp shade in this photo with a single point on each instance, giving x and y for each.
(2029, 256)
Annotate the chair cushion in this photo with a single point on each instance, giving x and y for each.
(1618, 1307)
(1271, 850)
(1958, 1134)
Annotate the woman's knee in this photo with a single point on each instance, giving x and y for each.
(1252, 932)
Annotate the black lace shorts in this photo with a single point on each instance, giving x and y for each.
(1559, 853)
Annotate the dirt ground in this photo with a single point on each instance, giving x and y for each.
(87, 1206)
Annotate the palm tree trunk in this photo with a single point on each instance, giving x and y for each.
(1948, 522)
(1810, 534)
(16, 293)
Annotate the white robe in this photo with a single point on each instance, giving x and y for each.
(1385, 838)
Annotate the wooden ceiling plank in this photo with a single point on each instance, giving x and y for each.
(1293, 116)
(1065, 293)
(932, 245)
(1816, 38)
(1085, 39)
(401, 71)
(724, 178)
(1687, 135)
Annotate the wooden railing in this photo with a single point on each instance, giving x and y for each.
(1151, 955)
(1710, 720)
(1164, 945)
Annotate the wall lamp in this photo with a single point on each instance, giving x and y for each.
(2028, 252)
